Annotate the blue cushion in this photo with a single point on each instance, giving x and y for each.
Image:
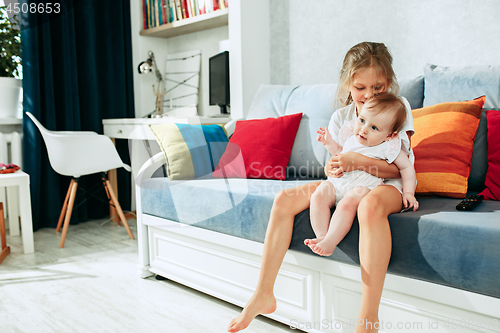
(191, 151)
(413, 90)
(233, 206)
(454, 84)
(317, 104)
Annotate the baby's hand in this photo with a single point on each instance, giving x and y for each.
(324, 136)
(333, 168)
(410, 201)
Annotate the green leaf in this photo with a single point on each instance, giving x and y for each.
(10, 46)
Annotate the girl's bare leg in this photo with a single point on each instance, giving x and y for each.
(322, 200)
(287, 204)
(375, 245)
(341, 221)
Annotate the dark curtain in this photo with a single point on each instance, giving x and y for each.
(77, 68)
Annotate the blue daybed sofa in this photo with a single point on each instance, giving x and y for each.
(445, 264)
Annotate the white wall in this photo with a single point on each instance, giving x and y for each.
(443, 32)
(279, 15)
(249, 55)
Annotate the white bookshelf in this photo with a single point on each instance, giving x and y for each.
(206, 21)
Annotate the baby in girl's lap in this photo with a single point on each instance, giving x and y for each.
(374, 133)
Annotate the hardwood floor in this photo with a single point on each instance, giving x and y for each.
(93, 285)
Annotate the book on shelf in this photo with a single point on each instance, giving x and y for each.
(194, 3)
(173, 11)
(164, 11)
(160, 12)
(189, 9)
(157, 12)
(223, 4)
(179, 9)
(144, 10)
(152, 13)
(150, 22)
(185, 14)
(145, 14)
(201, 6)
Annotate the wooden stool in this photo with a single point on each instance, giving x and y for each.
(5, 249)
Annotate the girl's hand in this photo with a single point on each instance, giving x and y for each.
(324, 136)
(410, 201)
(348, 162)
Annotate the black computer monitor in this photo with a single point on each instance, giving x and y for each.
(219, 80)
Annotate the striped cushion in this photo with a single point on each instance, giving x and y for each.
(191, 151)
(443, 144)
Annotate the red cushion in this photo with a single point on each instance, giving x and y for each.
(259, 148)
(492, 182)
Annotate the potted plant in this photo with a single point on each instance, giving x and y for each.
(10, 61)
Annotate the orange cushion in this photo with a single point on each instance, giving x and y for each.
(442, 144)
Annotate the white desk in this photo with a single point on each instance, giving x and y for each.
(137, 128)
(138, 132)
(14, 182)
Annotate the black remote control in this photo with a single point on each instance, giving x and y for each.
(470, 202)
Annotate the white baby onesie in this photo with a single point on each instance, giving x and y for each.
(387, 150)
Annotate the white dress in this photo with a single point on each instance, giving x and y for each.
(348, 114)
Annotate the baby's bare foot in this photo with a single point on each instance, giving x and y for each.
(323, 248)
(257, 305)
(310, 241)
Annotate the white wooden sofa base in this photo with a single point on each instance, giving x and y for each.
(313, 294)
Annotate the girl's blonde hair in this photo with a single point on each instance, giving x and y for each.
(361, 56)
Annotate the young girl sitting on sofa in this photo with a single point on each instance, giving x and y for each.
(366, 71)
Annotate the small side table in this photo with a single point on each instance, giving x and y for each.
(19, 181)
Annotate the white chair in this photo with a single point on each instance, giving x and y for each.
(78, 154)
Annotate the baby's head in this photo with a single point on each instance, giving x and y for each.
(380, 119)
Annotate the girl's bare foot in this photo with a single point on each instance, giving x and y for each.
(257, 305)
(310, 241)
(323, 248)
